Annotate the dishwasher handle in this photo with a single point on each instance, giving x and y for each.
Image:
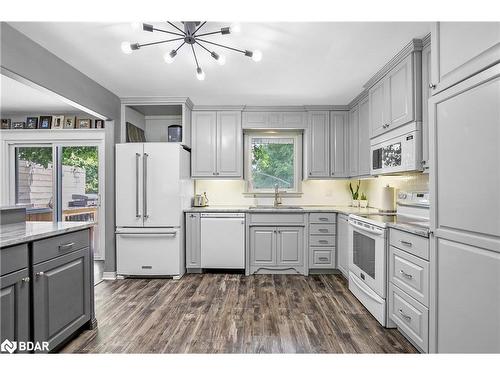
(222, 215)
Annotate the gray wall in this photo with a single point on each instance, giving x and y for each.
(24, 57)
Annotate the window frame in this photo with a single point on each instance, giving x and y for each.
(298, 160)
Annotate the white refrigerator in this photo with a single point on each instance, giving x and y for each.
(153, 187)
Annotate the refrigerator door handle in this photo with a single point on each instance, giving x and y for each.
(137, 156)
(145, 185)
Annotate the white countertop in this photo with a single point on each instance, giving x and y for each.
(13, 234)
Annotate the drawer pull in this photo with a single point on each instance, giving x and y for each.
(407, 275)
(323, 241)
(323, 230)
(406, 243)
(66, 246)
(323, 219)
(405, 317)
(39, 274)
(323, 259)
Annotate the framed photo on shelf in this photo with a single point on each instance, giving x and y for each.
(45, 122)
(57, 122)
(69, 122)
(99, 124)
(6, 123)
(32, 123)
(83, 123)
(18, 125)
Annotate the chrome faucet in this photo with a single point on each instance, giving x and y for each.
(277, 198)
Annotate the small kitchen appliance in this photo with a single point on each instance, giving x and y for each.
(200, 200)
(175, 133)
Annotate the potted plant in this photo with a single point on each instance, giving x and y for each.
(363, 202)
(354, 194)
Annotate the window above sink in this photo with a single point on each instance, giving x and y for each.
(273, 158)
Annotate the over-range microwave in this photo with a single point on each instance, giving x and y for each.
(396, 153)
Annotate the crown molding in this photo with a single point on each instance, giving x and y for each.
(334, 107)
(413, 46)
(218, 107)
(274, 108)
(358, 98)
(156, 100)
(426, 40)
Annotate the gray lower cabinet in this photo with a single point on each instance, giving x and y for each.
(61, 296)
(193, 241)
(343, 245)
(15, 306)
(276, 249)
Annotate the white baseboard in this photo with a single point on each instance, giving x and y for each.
(109, 275)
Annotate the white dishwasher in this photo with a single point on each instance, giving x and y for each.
(223, 240)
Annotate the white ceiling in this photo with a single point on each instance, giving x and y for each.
(303, 63)
(18, 98)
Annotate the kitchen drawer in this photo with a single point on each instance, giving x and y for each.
(318, 217)
(325, 229)
(410, 316)
(416, 245)
(322, 257)
(276, 219)
(13, 258)
(410, 273)
(321, 240)
(59, 245)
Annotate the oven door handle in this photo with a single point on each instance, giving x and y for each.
(374, 296)
(373, 231)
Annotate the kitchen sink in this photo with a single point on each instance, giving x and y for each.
(271, 207)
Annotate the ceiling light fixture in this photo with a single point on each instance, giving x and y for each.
(191, 36)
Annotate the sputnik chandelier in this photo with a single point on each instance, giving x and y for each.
(190, 36)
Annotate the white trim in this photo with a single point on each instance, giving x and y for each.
(109, 275)
(297, 140)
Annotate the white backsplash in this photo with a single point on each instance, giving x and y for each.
(315, 192)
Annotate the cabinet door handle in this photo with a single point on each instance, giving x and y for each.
(145, 185)
(137, 156)
(406, 317)
(432, 86)
(406, 243)
(407, 275)
(25, 280)
(39, 274)
(66, 246)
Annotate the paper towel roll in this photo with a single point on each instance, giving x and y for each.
(388, 203)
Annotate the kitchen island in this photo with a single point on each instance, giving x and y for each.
(47, 288)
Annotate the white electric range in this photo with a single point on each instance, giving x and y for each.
(368, 250)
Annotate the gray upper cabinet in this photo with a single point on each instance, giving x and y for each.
(339, 135)
(462, 49)
(318, 145)
(364, 138)
(396, 97)
(354, 141)
(204, 141)
(193, 240)
(217, 144)
(426, 94)
(274, 120)
(61, 292)
(229, 144)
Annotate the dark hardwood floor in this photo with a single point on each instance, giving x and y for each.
(228, 313)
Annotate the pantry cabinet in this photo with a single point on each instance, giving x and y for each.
(462, 49)
(217, 140)
(395, 99)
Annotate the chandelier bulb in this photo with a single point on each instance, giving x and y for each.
(235, 27)
(126, 48)
(200, 74)
(136, 25)
(169, 56)
(256, 55)
(221, 60)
